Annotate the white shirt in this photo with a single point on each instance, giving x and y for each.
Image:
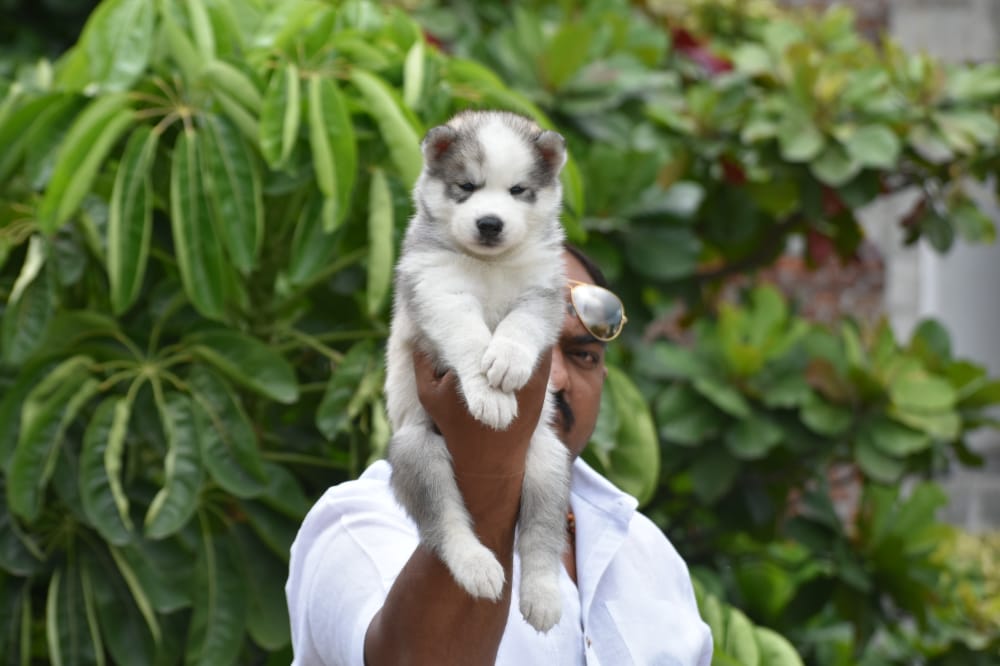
(633, 603)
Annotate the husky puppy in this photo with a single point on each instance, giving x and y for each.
(480, 286)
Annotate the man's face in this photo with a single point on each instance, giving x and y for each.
(578, 372)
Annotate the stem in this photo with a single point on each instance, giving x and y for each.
(316, 345)
(299, 459)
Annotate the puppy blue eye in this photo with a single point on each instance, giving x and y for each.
(468, 187)
(517, 189)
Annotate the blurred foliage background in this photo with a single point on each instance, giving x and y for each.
(200, 206)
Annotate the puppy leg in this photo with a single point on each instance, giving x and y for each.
(519, 339)
(424, 484)
(542, 537)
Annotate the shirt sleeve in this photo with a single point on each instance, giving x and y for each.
(345, 558)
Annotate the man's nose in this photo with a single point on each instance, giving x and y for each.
(558, 377)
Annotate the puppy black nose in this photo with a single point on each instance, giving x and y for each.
(489, 226)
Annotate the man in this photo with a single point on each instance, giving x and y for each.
(362, 590)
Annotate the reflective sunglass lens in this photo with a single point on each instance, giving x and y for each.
(599, 310)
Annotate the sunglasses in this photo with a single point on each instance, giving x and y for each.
(600, 311)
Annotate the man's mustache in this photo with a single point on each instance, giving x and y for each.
(567, 419)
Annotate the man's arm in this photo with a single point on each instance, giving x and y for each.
(427, 618)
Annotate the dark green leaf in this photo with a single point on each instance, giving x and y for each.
(102, 496)
(118, 41)
(331, 138)
(313, 249)
(281, 116)
(47, 412)
(220, 604)
(713, 475)
(267, 610)
(247, 361)
(126, 634)
(228, 441)
(685, 417)
(233, 185)
(663, 252)
(71, 633)
(893, 438)
(196, 243)
(825, 418)
(876, 464)
(753, 437)
(722, 395)
(635, 459)
(334, 413)
(177, 500)
(130, 220)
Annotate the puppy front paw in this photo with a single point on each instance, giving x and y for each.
(507, 364)
(541, 602)
(476, 569)
(490, 405)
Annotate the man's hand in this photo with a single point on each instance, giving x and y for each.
(476, 448)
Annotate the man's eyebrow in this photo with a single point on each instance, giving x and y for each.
(585, 339)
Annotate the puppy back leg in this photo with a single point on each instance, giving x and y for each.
(542, 536)
(424, 483)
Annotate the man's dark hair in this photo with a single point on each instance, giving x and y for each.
(592, 269)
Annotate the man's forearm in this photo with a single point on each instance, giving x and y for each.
(427, 617)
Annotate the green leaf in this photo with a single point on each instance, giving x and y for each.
(234, 84)
(130, 220)
(874, 146)
(380, 242)
(414, 73)
(228, 441)
(267, 609)
(176, 502)
(722, 395)
(663, 252)
(233, 185)
(220, 604)
(566, 53)
(19, 555)
(138, 593)
(179, 45)
(740, 640)
(775, 650)
(335, 409)
(893, 438)
(331, 138)
(876, 464)
(118, 42)
(162, 570)
(14, 129)
(201, 27)
(126, 634)
(635, 459)
(102, 496)
(27, 315)
(48, 410)
(196, 243)
(915, 389)
(972, 223)
(81, 153)
(247, 361)
(753, 438)
(835, 167)
(685, 417)
(663, 360)
(71, 635)
(713, 475)
(313, 249)
(799, 139)
(280, 116)
(825, 418)
(398, 134)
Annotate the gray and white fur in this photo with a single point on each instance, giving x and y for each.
(480, 285)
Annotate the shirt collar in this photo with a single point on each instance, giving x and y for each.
(595, 490)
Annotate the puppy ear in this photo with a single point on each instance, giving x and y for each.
(437, 142)
(552, 149)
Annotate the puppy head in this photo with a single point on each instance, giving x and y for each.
(490, 181)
